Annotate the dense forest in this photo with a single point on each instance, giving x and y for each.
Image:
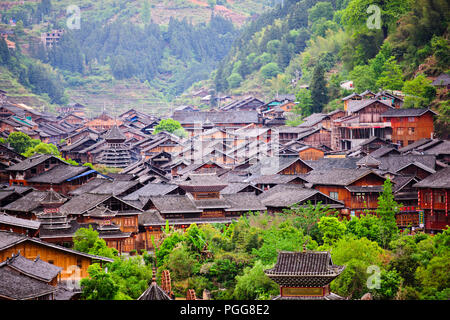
(120, 41)
(323, 43)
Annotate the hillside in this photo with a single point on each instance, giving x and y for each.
(321, 44)
(127, 53)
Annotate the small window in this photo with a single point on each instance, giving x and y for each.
(411, 130)
(334, 195)
(51, 262)
(411, 119)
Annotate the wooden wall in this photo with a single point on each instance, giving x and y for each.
(67, 261)
(421, 127)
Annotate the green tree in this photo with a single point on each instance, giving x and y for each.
(130, 275)
(234, 80)
(419, 92)
(87, 240)
(319, 91)
(391, 77)
(254, 284)
(19, 141)
(5, 55)
(220, 82)
(366, 226)
(99, 285)
(305, 103)
(363, 78)
(181, 263)
(145, 14)
(355, 14)
(270, 70)
(357, 255)
(320, 10)
(42, 148)
(169, 125)
(332, 229)
(387, 209)
(390, 282)
(284, 54)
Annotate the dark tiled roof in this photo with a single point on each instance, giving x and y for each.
(368, 161)
(31, 162)
(275, 179)
(174, 204)
(151, 189)
(228, 117)
(92, 184)
(286, 195)
(333, 163)
(116, 187)
(357, 105)
(59, 174)
(203, 182)
(393, 163)
(383, 150)
(245, 201)
(438, 180)
(339, 177)
(313, 119)
(406, 112)
(307, 263)
(19, 222)
(16, 286)
(237, 187)
(415, 144)
(27, 203)
(82, 203)
(36, 268)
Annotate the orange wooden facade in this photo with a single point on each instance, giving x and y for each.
(311, 153)
(435, 204)
(406, 130)
(357, 202)
(298, 167)
(74, 265)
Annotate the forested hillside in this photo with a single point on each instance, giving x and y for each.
(320, 44)
(152, 50)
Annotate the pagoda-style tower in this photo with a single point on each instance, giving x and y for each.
(51, 218)
(116, 153)
(305, 275)
(154, 291)
(103, 216)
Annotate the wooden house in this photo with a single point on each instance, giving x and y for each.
(247, 103)
(25, 279)
(19, 225)
(74, 264)
(358, 189)
(31, 167)
(364, 120)
(285, 196)
(305, 275)
(202, 203)
(410, 125)
(433, 200)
